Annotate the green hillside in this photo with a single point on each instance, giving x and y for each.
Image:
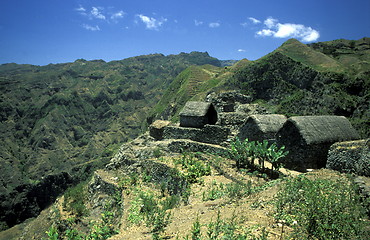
(188, 85)
(60, 121)
(298, 79)
(72, 117)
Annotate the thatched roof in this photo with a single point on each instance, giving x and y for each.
(320, 129)
(267, 122)
(261, 126)
(197, 114)
(196, 109)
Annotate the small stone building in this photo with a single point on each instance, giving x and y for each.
(197, 114)
(308, 139)
(156, 129)
(261, 126)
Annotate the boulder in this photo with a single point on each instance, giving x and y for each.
(232, 119)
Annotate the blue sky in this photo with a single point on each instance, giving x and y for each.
(55, 31)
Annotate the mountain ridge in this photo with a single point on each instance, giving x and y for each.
(72, 117)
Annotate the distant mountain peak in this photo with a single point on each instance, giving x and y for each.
(303, 53)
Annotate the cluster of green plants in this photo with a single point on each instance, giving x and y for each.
(194, 168)
(153, 207)
(230, 229)
(322, 209)
(99, 230)
(154, 212)
(253, 154)
(233, 191)
(105, 228)
(74, 200)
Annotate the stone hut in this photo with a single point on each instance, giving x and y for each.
(308, 139)
(198, 114)
(261, 126)
(156, 129)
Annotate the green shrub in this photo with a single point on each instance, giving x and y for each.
(52, 233)
(153, 212)
(194, 168)
(233, 191)
(321, 209)
(237, 191)
(242, 152)
(214, 192)
(229, 229)
(74, 200)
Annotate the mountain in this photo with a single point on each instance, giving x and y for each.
(59, 122)
(63, 120)
(298, 79)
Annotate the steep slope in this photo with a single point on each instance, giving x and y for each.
(308, 56)
(354, 55)
(187, 85)
(69, 118)
(298, 80)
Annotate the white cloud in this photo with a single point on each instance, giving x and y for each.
(96, 13)
(152, 23)
(214, 25)
(244, 24)
(198, 23)
(288, 30)
(265, 33)
(311, 35)
(91, 28)
(80, 9)
(241, 50)
(253, 20)
(270, 22)
(118, 15)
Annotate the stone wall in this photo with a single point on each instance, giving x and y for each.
(350, 157)
(213, 134)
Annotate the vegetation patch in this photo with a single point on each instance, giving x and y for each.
(253, 154)
(322, 209)
(193, 168)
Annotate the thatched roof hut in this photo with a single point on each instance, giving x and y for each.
(308, 138)
(261, 126)
(198, 114)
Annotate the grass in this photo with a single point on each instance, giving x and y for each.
(193, 168)
(231, 229)
(74, 200)
(322, 209)
(234, 191)
(304, 207)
